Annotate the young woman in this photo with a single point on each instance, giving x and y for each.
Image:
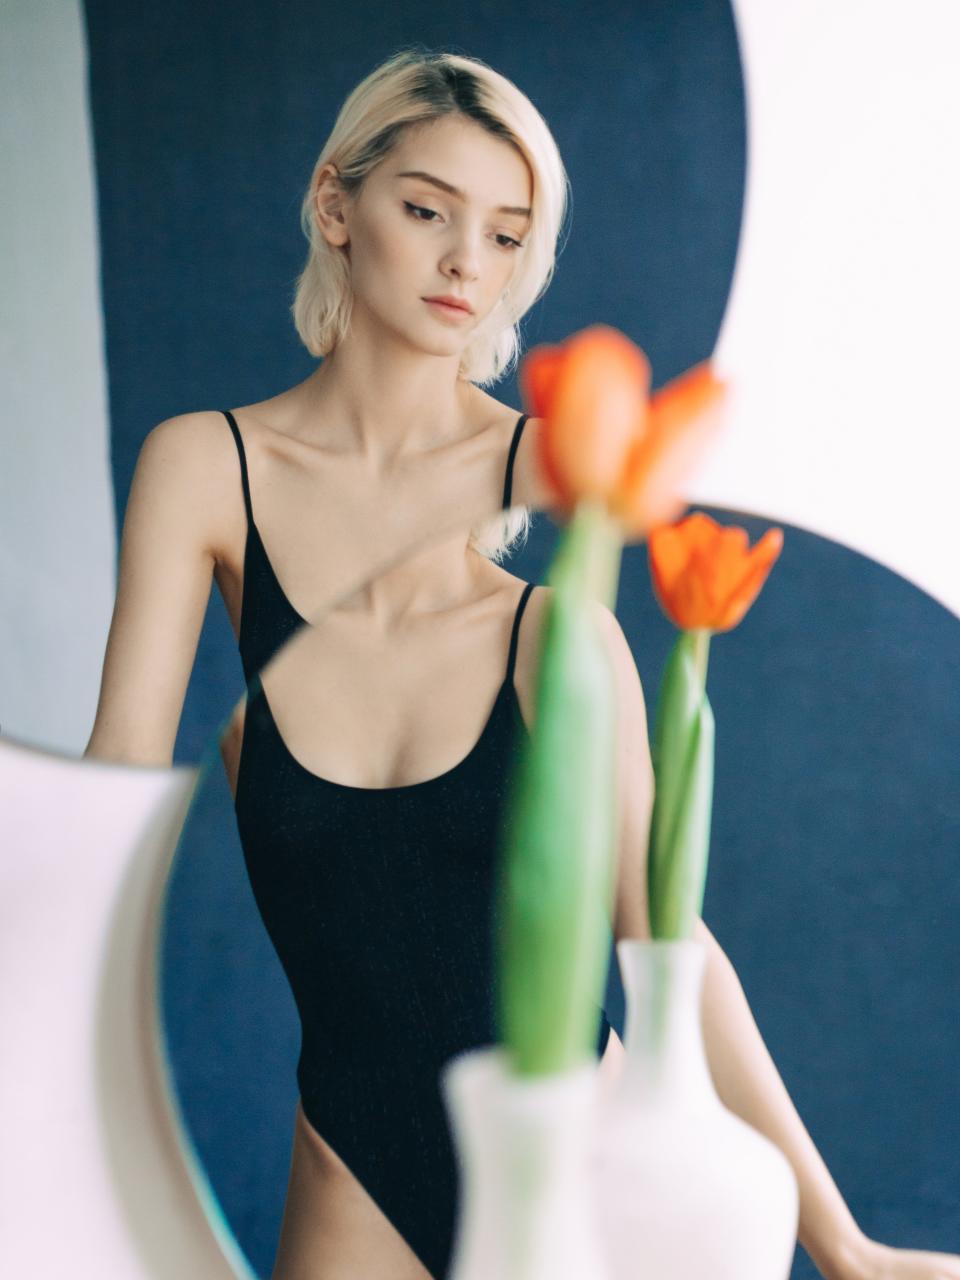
(369, 822)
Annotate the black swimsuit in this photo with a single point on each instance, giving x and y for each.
(379, 904)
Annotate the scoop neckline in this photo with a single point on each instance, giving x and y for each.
(506, 687)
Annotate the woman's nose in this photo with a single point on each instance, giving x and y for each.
(464, 258)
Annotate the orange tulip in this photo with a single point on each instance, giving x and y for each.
(591, 392)
(704, 575)
(684, 416)
(605, 438)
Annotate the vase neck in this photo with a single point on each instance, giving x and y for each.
(521, 1143)
(665, 1059)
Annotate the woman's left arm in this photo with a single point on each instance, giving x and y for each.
(750, 1085)
(743, 1071)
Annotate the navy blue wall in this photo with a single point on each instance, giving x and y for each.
(832, 881)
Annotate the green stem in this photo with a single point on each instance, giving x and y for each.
(556, 881)
(701, 653)
(588, 557)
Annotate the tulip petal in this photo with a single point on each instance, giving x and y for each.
(704, 574)
(745, 591)
(538, 378)
(667, 553)
(598, 407)
(730, 552)
(691, 601)
(685, 397)
(684, 418)
(670, 545)
(675, 569)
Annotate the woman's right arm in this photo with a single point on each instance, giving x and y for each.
(168, 550)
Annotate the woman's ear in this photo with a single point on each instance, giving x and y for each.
(329, 206)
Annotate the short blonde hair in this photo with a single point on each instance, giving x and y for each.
(412, 87)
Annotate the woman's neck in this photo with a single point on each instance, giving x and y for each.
(401, 403)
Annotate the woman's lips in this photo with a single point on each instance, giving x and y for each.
(444, 308)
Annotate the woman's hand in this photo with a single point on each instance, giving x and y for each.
(872, 1260)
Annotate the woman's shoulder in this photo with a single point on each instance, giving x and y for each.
(541, 595)
(197, 445)
(529, 485)
(499, 422)
(194, 454)
(195, 434)
(622, 664)
(492, 412)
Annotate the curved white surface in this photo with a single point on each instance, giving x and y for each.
(58, 536)
(95, 1176)
(841, 331)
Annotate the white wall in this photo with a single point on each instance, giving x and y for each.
(57, 528)
(841, 333)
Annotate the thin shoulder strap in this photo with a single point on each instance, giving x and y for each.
(508, 482)
(243, 462)
(512, 658)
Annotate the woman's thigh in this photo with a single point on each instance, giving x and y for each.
(332, 1229)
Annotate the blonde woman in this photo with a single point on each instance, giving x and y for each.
(368, 789)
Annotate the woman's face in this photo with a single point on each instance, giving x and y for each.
(453, 229)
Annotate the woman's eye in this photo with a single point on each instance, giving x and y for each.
(416, 209)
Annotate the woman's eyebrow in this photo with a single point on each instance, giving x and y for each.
(455, 191)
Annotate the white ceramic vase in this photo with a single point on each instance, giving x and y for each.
(525, 1205)
(99, 1176)
(684, 1189)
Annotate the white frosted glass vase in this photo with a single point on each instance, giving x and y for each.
(525, 1206)
(683, 1188)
